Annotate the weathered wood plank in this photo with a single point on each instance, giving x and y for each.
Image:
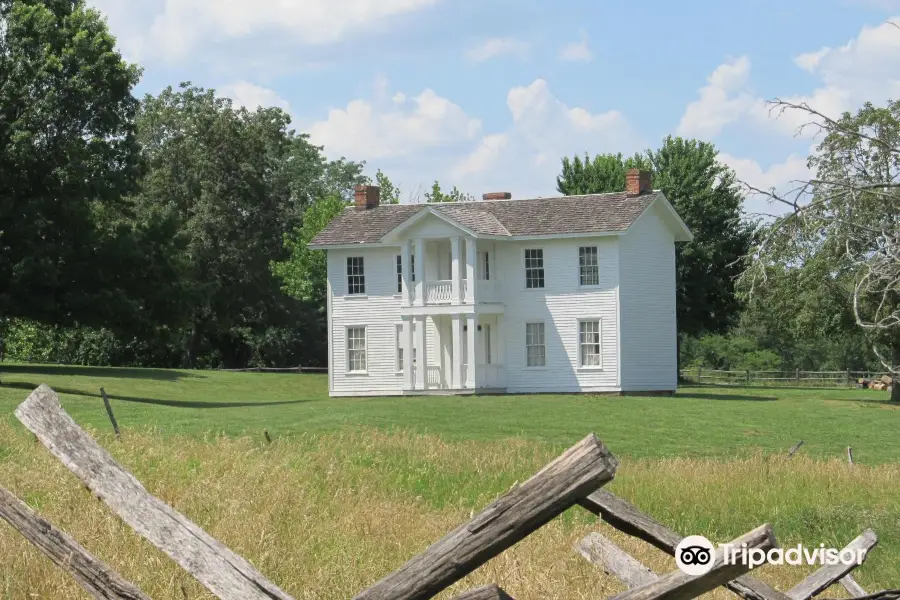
(825, 576)
(851, 586)
(95, 576)
(681, 586)
(220, 570)
(485, 592)
(794, 449)
(615, 561)
(526, 507)
(627, 518)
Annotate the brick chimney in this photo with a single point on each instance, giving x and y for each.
(637, 182)
(496, 196)
(367, 196)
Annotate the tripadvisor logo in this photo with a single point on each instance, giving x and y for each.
(695, 555)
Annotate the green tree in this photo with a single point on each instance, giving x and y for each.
(233, 182)
(390, 194)
(454, 195)
(844, 225)
(304, 273)
(606, 172)
(707, 197)
(70, 249)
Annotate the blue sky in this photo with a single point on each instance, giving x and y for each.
(488, 95)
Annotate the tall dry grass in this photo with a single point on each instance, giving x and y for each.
(326, 515)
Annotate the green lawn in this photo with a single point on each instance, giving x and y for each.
(696, 422)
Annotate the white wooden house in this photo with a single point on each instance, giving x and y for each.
(568, 294)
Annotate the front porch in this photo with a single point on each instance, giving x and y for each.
(439, 351)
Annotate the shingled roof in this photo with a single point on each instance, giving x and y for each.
(593, 213)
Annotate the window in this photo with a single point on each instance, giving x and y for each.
(534, 268)
(356, 349)
(589, 343)
(356, 276)
(487, 344)
(535, 351)
(412, 271)
(484, 266)
(588, 265)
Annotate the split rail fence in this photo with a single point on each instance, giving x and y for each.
(574, 478)
(796, 377)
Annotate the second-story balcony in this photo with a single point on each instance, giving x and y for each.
(441, 292)
(454, 270)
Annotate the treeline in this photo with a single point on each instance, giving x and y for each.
(141, 231)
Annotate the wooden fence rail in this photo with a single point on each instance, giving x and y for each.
(796, 377)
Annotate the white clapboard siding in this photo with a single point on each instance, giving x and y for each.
(379, 311)
(647, 297)
(559, 305)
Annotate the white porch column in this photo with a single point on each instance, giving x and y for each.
(456, 325)
(470, 269)
(420, 272)
(501, 340)
(454, 270)
(421, 354)
(408, 343)
(406, 266)
(470, 369)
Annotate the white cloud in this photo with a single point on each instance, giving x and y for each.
(495, 47)
(525, 159)
(781, 177)
(172, 28)
(867, 68)
(722, 100)
(809, 60)
(577, 51)
(252, 96)
(393, 127)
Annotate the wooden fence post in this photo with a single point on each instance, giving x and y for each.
(94, 576)
(221, 571)
(794, 449)
(678, 585)
(798, 376)
(824, 577)
(109, 411)
(582, 469)
(849, 381)
(699, 373)
(627, 518)
(748, 376)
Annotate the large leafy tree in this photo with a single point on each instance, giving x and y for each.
(234, 182)
(845, 223)
(71, 249)
(707, 197)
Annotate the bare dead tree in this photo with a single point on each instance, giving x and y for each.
(849, 212)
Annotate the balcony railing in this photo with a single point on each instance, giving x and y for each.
(438, 292)
(433, 377)
(488, 290)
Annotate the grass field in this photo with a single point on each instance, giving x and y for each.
(351, 488)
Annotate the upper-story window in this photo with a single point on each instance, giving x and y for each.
(588, 265)
(484, 266)
(412, 271)
(356, 275)
(534, 268)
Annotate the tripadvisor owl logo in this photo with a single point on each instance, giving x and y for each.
(694, 555)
